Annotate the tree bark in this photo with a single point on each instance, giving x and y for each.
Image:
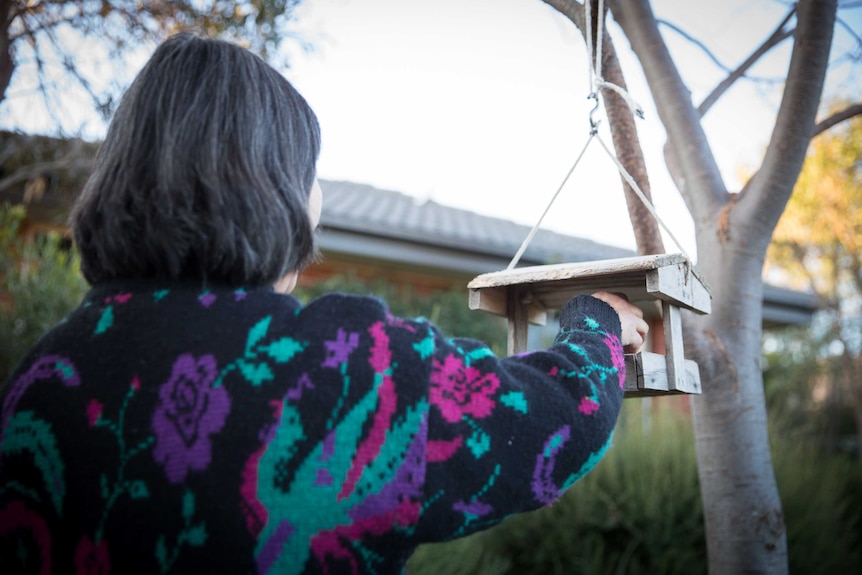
(744, 520)
(7, 63)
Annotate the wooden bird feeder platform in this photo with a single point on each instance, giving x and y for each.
(523, 296)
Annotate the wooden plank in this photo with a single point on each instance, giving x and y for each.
(518, 324)
(673, 283)
(646, 376)
(674, 351)
(634, 373)
(495, 301)
(634, 266)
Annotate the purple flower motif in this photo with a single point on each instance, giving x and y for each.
(339, 350)
(476, 508)
(207, 299)
(189, 412)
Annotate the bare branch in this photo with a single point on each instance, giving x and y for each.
(778, 36)
(849, 29)
(837, 118)
(704, 48)
(768, 191)
(698, 171)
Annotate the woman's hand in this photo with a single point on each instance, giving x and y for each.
(634, 328)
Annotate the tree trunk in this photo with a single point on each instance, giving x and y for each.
(7, 63)
(745, 528)
(744, 522)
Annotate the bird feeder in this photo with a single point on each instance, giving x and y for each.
(524, 296)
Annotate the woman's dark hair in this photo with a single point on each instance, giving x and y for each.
(205, 173)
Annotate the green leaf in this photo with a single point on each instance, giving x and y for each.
(188, 505)
(479, 443)
(162, 553)
(106, 321)
(255, 373)
(284, 349)
(25, 433)
(197, 535)
(515, 400)
(103, 484)
(256, 334)
(138, 490)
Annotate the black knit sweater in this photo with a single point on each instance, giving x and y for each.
(168, 428)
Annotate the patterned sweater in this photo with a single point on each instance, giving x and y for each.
(170, 429)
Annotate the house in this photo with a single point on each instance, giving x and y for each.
(364, 230)
(379, 233)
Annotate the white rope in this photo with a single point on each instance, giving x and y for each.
(634, 186)
(588, 17)
(598, 83)
(533, 231)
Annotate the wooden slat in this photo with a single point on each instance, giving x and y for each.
(677, 285)
(674, 350)
(646, 376)
(518, 323)
(495, 301)
(640, 279)
(620, 267)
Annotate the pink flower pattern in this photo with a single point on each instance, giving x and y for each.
(458, 390)
(92, 559)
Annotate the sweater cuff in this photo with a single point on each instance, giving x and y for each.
(579, 310)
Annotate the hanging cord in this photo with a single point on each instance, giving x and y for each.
(598, 84)
(597, 81)
(533, 231)
(647, 204)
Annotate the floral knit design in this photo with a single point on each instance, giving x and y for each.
(206, 429)
(190, 410)
(458, 390)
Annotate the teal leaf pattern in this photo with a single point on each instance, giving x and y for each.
(191, 535)
(515, 400)
(479, 443)
(26, 433)
(138, 490)
(255, 373)
(257, 333)
(282, 350)
(105, 321)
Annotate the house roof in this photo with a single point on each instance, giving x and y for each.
(383, 214)
(369, 223)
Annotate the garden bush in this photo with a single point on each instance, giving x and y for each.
(40, 283)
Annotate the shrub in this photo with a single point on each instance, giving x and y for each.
(639, 512)
(40, 283)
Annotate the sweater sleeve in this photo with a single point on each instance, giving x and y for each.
(511, 435)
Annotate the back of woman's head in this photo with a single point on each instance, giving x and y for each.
(204, 173)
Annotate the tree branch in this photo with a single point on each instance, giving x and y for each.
(624, 135)
(766, 194)
(7, 63)
(837, 118)
(779, 35)
(703, 187)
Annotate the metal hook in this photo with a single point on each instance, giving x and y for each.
(594, 124)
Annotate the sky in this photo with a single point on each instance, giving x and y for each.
(482, 104)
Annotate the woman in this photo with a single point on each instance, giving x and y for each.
(190, 417)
